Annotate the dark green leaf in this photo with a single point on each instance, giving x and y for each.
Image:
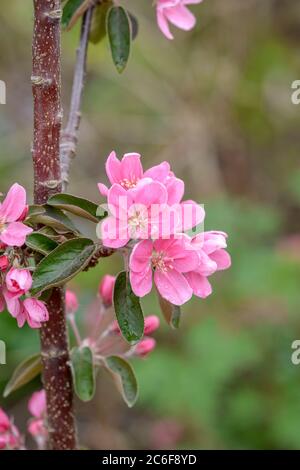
(40, 243)
(98, 26)
(35, 209)
(128, 309)
(171, 312)
(72, 11)
(119, 34)
(55, 218)
(124, 378)
(24, 373)
(76, 205)
(83, 372)
(62, 264)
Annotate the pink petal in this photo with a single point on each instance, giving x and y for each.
(4, 421)
(212, 241)
(13, 304)
(222, 259)
(131, 167)
(173, 286)
(206, 265)
(158, 172)
(14, 204)
(186, 261)
(103, 189)
(21, 318)
(114, 232)
(14, 234)
(36, 310)
(175, 188)
(191, 215)
(140, 258)
(141, 282)
(163, 24)
(149, 193)
(37, 404)
(181, 17)
(119, 200)
(200, 285)
(113, 168)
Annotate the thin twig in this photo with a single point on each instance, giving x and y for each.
(69, 137)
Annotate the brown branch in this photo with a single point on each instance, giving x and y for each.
(46, 84)
(69, 136)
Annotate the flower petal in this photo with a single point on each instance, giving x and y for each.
(173, 286)
(114, 232)
(113, 168)
(200, 284)
(131, 167)
(222, 259)
(175, 189)
(14, 234)
(181, 17)
(14, 204)
(103, 189)
(140, 258)
(158, 172)
(37, 404)
(141, 282)
(163, 24)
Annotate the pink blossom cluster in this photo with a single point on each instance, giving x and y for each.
(103, 334)
(10, 436)
(15, 277)
(176, 13)
(149, 218)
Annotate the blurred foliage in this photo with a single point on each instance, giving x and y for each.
(216, 103)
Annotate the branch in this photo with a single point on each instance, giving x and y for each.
(46, 85)
(69, 136)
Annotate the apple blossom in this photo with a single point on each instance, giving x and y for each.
(18, 281)
(34, 312)
(175, 12)
(71, 302)
(10, 438)
(144, 347)
(106, 288)
(12, 231)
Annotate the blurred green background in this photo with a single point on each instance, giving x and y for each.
(216, 103)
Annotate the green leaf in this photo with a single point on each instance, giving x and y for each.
(134, 25)
(124, 378)
(62, 264)
(119, 34)
(171, 312)
(98, 26)
(24, 373)
(55, 218)
(128, 309)
(76, 205)
(35, 209)
(83, 372)
(72, 11)
(40, 243)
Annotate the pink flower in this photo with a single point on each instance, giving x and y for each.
(151, 324)
(13, 232)
(4, 262)
(18, 281)
(136, 214)
(144, 347)
(10, 437)
(129, 171)
(71, 302)
(169, 259)
(213, 257)
(175, 12)
(37, 406)
(106, 288)
(33, 311)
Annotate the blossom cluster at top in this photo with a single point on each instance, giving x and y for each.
(176, 13)
(15, 276)
(148, 217)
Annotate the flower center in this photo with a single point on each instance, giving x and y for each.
(127, 184)
(161, 262)
(137, 224)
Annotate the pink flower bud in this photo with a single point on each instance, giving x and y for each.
(35, 311)
(144, 347)
(4, 263)
(37, 404)
(106, 289)
(18, 281)
(4, 421)
(151, 324)
(71, 302)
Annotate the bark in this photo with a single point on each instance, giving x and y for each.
(46, 84)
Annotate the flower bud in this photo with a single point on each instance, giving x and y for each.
(106, 289)
(151, 324)
(71, 302)
(18, 281)
(144, 347)
(4, 262)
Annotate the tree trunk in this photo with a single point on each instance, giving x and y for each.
(46, 83)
